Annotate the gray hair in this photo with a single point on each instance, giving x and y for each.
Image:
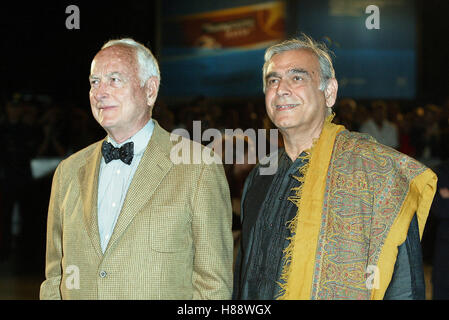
(304, 42)
(148, 66)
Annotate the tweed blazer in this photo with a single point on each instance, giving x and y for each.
(172, 239)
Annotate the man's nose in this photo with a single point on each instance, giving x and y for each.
(283, 88)
(101, 91)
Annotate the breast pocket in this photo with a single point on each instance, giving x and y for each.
(170, 229)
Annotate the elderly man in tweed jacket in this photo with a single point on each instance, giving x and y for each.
(126, 222)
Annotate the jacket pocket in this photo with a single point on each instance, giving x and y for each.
(170, 229)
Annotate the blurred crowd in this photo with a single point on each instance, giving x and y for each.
(34, 127)
(39, 127)
(418, 130)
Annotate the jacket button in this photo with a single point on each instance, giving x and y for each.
(103, 274)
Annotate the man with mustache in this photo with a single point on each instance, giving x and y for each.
(342, 216)
(124, 221)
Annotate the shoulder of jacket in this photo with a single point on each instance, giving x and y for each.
(79, 158)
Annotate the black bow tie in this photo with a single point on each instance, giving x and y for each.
(124, 153)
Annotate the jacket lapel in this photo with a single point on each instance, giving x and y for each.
(88, 180)
(153, 167)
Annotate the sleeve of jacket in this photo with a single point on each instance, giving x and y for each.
(238, 262)
(212, 235)
(50, 288)
(408, 282)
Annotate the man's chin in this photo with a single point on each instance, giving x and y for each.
(107, 123)
(284, 125)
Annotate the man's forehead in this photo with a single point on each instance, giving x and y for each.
(118, 49)
(114, 56)
(300, 59)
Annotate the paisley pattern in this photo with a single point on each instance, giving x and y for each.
(365, 187)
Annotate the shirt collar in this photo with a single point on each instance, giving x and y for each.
(284, 158)
(140, 139)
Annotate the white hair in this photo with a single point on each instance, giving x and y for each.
(148, 66)
(304, 42)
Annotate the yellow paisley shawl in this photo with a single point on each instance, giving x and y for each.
(355, 205)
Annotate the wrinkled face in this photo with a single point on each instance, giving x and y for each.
(118, 102)
(292, 96)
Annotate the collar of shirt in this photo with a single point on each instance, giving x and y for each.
(282, 159)
(140, 139)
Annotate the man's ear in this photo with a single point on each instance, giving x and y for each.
(330, 93)
(151, 90)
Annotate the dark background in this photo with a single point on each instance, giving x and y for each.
(40, 56)
(433, 50)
